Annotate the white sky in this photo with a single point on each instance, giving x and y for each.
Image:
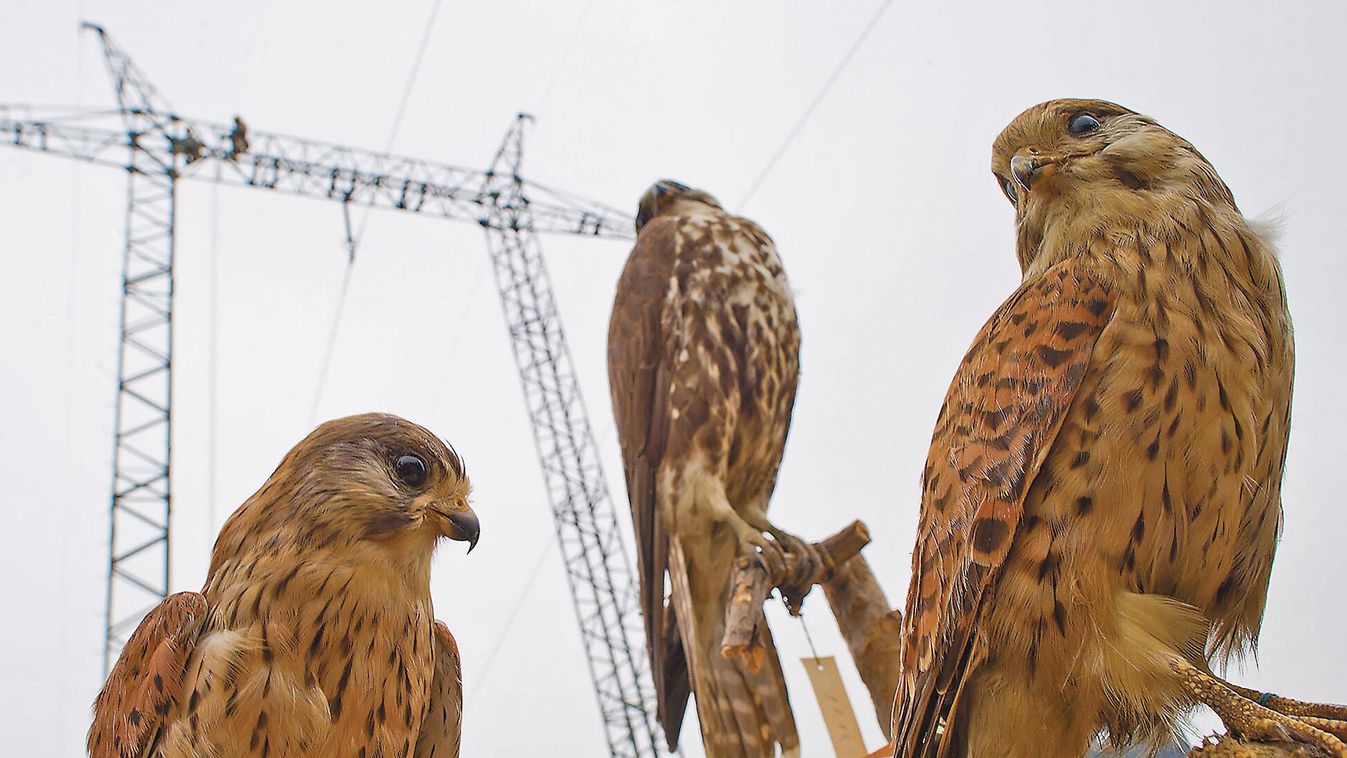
(893, 232)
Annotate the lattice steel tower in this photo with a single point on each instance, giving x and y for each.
(160, 148)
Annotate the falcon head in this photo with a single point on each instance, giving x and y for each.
(362, 485)
(666, 196)
(1091, 160)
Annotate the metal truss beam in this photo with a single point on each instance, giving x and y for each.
(140, 519)
(308, 168)
(592, 549)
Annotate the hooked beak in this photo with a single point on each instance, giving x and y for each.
(458, 522)
(1026, 168)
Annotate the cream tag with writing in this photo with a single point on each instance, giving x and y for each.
(836, 706)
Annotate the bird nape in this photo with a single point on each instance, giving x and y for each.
(1101, 500)
(314, 634)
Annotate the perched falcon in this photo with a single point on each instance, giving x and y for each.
(703, 358)
(314, 635)
(1101, 501)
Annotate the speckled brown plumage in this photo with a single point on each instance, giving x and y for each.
(314, 634)
(703, 358)
(1101, 500)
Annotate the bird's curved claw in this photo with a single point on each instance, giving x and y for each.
(807, 562)
(773, 557)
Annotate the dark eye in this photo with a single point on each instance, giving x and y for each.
(1008, 187)
(1082, 124)
(411, 470)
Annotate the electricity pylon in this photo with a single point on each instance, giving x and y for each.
(157, 148)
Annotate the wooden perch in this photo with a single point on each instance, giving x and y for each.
(873, 632)
(752, 580)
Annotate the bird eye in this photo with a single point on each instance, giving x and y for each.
(411, 470)
(1082, 124)
(1008, 187)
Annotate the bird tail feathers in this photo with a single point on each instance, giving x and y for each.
(742, 714)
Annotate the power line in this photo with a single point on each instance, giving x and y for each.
(331, 341)
(565, 57)
(353, 241)
(510, 619)
(479, 278)
(818, 98)
(402, 104)
(411, 77)
(213, 400)
(71, 339)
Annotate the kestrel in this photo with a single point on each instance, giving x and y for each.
(314, 635)
(703, 358)
(1101, 501)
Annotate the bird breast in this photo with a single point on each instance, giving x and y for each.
(321, 664)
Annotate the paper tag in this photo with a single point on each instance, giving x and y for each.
(838, 715)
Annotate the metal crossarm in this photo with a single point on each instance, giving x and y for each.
(304, 167)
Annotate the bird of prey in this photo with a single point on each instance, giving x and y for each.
(1101, 500)
(703, 358)
(314, 634)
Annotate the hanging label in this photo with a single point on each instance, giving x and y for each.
(838, 715)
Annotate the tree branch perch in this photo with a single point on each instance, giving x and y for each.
(752, 581)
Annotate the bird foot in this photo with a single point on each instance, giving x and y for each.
(1254, 718)
(808, 560)
(1333, 716)
(771, 553)
(785, 556)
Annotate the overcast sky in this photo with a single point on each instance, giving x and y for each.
(893, 232)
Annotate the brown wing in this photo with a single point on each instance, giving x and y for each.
(147, 684)
(1001, 414)
(442, 729)
(638, 375)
